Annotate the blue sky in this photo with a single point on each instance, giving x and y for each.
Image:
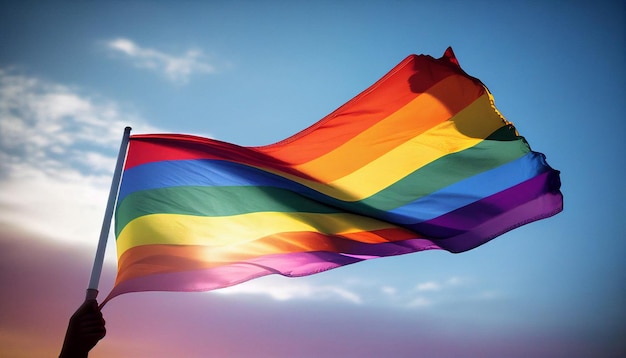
(74, 74)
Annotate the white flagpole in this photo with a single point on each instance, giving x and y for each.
(92, 289)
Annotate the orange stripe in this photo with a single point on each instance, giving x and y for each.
(440, 103)
(409, 79)
(152, 259)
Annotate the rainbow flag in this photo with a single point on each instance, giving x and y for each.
(421, 160)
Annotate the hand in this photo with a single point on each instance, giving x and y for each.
(85, 329)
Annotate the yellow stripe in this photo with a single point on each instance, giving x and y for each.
(417, 116)
(178, 229)
(466, 129)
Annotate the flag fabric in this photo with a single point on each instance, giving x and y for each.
(420, 160)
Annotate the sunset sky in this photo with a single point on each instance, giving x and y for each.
(73, 74)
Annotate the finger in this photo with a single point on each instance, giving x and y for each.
(92, 322)
(99, 334)
(92, 328)
(91, 317)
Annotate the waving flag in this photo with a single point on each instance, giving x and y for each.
(420, 160)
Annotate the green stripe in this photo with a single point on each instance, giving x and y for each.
(499, 148)
(213, 201)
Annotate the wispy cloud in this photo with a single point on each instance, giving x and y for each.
(420, 301)
(429, 286)
(177, 69)
(445, 292)
(431, 295)
(57, 153)
(277, 288)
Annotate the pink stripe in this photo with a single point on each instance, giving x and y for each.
(291, 265)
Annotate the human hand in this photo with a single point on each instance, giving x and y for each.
(85, 329)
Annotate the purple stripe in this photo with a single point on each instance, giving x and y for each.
(291, 265)
(468, 218)
(547, 205)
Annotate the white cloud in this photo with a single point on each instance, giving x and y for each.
(388, 290)
(57, 154)
(444, 292)
(453, 281)
(420, 302)
(488, 296)
(178, 69)
(429, 286)
(277, 288)
(431, 295)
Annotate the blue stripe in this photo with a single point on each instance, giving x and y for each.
(209, 172)
(469, 190)
(203, 172)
